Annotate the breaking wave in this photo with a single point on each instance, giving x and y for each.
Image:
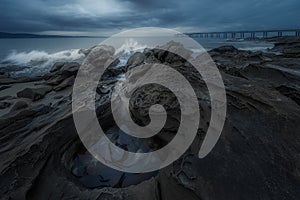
(40, 62)
(261, 48)
(127, 49)
(131, 45)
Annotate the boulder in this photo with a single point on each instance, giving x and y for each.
(172, 52)
(135, 60)
(60, 72)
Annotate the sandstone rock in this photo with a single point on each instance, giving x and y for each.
(70, 68)
(60, 72)
(57, 66)
(4, 87)
(8, 97)
(226, 49)
(55, 79)
(289, 46)
(4, 104)
(34, 93)
(66, 83)
(19, 105)
(255, 158)
(12, 80)
(135, 60)
(173, 49)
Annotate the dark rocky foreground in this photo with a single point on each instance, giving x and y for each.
(257, 156)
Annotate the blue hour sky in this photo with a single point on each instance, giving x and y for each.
(104, 17)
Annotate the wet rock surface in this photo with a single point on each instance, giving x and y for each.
(34, 93)
(287, 45)
(93, 174)
(257, 156)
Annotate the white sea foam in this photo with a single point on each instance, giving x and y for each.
(39, 62)
(127, 49)
(131, 45)
(261, 48)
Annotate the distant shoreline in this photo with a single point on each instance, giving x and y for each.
(4, 35)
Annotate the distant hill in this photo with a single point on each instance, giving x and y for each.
(26, 35)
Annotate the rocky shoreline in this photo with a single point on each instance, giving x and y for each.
(257, 156)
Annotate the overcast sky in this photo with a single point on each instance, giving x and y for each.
(104, 17)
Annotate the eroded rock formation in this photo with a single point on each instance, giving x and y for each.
(257, 156)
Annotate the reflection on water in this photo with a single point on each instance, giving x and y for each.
(93, 174)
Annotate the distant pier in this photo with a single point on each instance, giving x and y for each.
(244, 34)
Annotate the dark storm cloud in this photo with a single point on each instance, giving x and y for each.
(94, 15)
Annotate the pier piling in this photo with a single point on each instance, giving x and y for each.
(246, 33)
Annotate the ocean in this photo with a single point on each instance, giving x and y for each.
(37, 55)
